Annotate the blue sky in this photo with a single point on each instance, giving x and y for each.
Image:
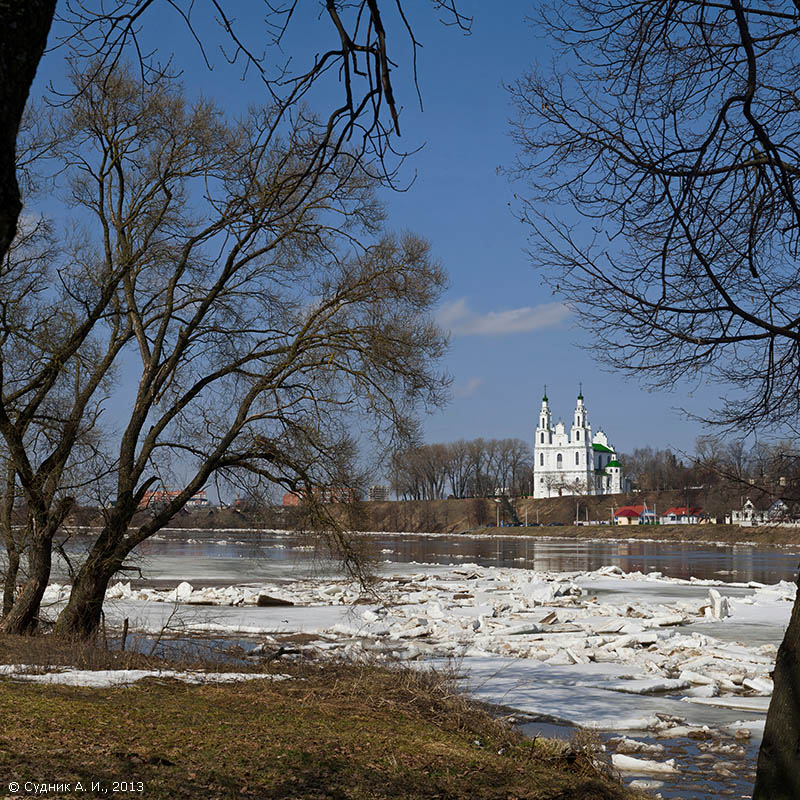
(509, 333)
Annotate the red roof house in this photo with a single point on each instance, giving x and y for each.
(634, 515)
(682, 515)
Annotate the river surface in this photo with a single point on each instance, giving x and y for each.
(215, 557)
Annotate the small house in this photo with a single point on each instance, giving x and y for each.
(682, 515)
(635, 515)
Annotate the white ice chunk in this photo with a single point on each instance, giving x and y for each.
(695, 677)
(705, 690)
(720, 608)
(624, 723)
(625, 745)
(647, 686)
(762, 686)
(733, 701)
(645, 784)
(638, 765)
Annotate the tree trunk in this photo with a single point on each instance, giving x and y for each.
(23, 617)
(778, 771)
(10, 582)
(23, 36)
(81, 617)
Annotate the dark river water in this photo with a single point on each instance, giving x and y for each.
(241, 556)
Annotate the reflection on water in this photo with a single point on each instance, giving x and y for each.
(223, 557)
(721, 562)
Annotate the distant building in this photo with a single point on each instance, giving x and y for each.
(198, 501)
(683, 515)
(323, 494)
(574, 463)
(158, 498)
(635, 515)
(378, 492)
(763, 511)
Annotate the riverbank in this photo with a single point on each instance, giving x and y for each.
(338, 731)
(706, 534)
(485, 516)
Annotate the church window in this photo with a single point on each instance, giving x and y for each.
(559, 461)
(577, 436)
(541, 459)
(542, 437)
(577, 458)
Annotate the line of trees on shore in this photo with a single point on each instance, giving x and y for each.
(464, 468)
(770, 468)
(484, 467)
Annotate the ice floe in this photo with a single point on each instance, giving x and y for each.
(106, 678)
(642, 765)
(604, 648)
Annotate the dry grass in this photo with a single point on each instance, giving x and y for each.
(51, 651)
(335, 731)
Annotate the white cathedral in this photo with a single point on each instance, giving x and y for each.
(575, 462)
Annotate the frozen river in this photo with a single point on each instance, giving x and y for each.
(665, 648)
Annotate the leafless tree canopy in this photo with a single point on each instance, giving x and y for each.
(662, 161)
(475, 468)
(361, 43)
(662, 157)
(243, 267)
(268, 317)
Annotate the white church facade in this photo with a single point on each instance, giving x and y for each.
(574, 462)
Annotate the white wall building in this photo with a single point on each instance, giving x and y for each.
(378, 492)
(576, 462)
(764, 511)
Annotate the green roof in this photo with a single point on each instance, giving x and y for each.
(601, 448)
(613, 463)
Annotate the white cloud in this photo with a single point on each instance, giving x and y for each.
(467, 389)
(461, 320)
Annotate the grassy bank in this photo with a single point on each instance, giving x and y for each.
(339, 731)
(729, 534)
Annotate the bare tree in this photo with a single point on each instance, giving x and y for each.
(54, 374)
(479, 466)
(266, 308)
(670, 130)
(364, 123)
(457, 467)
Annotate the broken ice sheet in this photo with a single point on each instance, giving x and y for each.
(605, 648)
